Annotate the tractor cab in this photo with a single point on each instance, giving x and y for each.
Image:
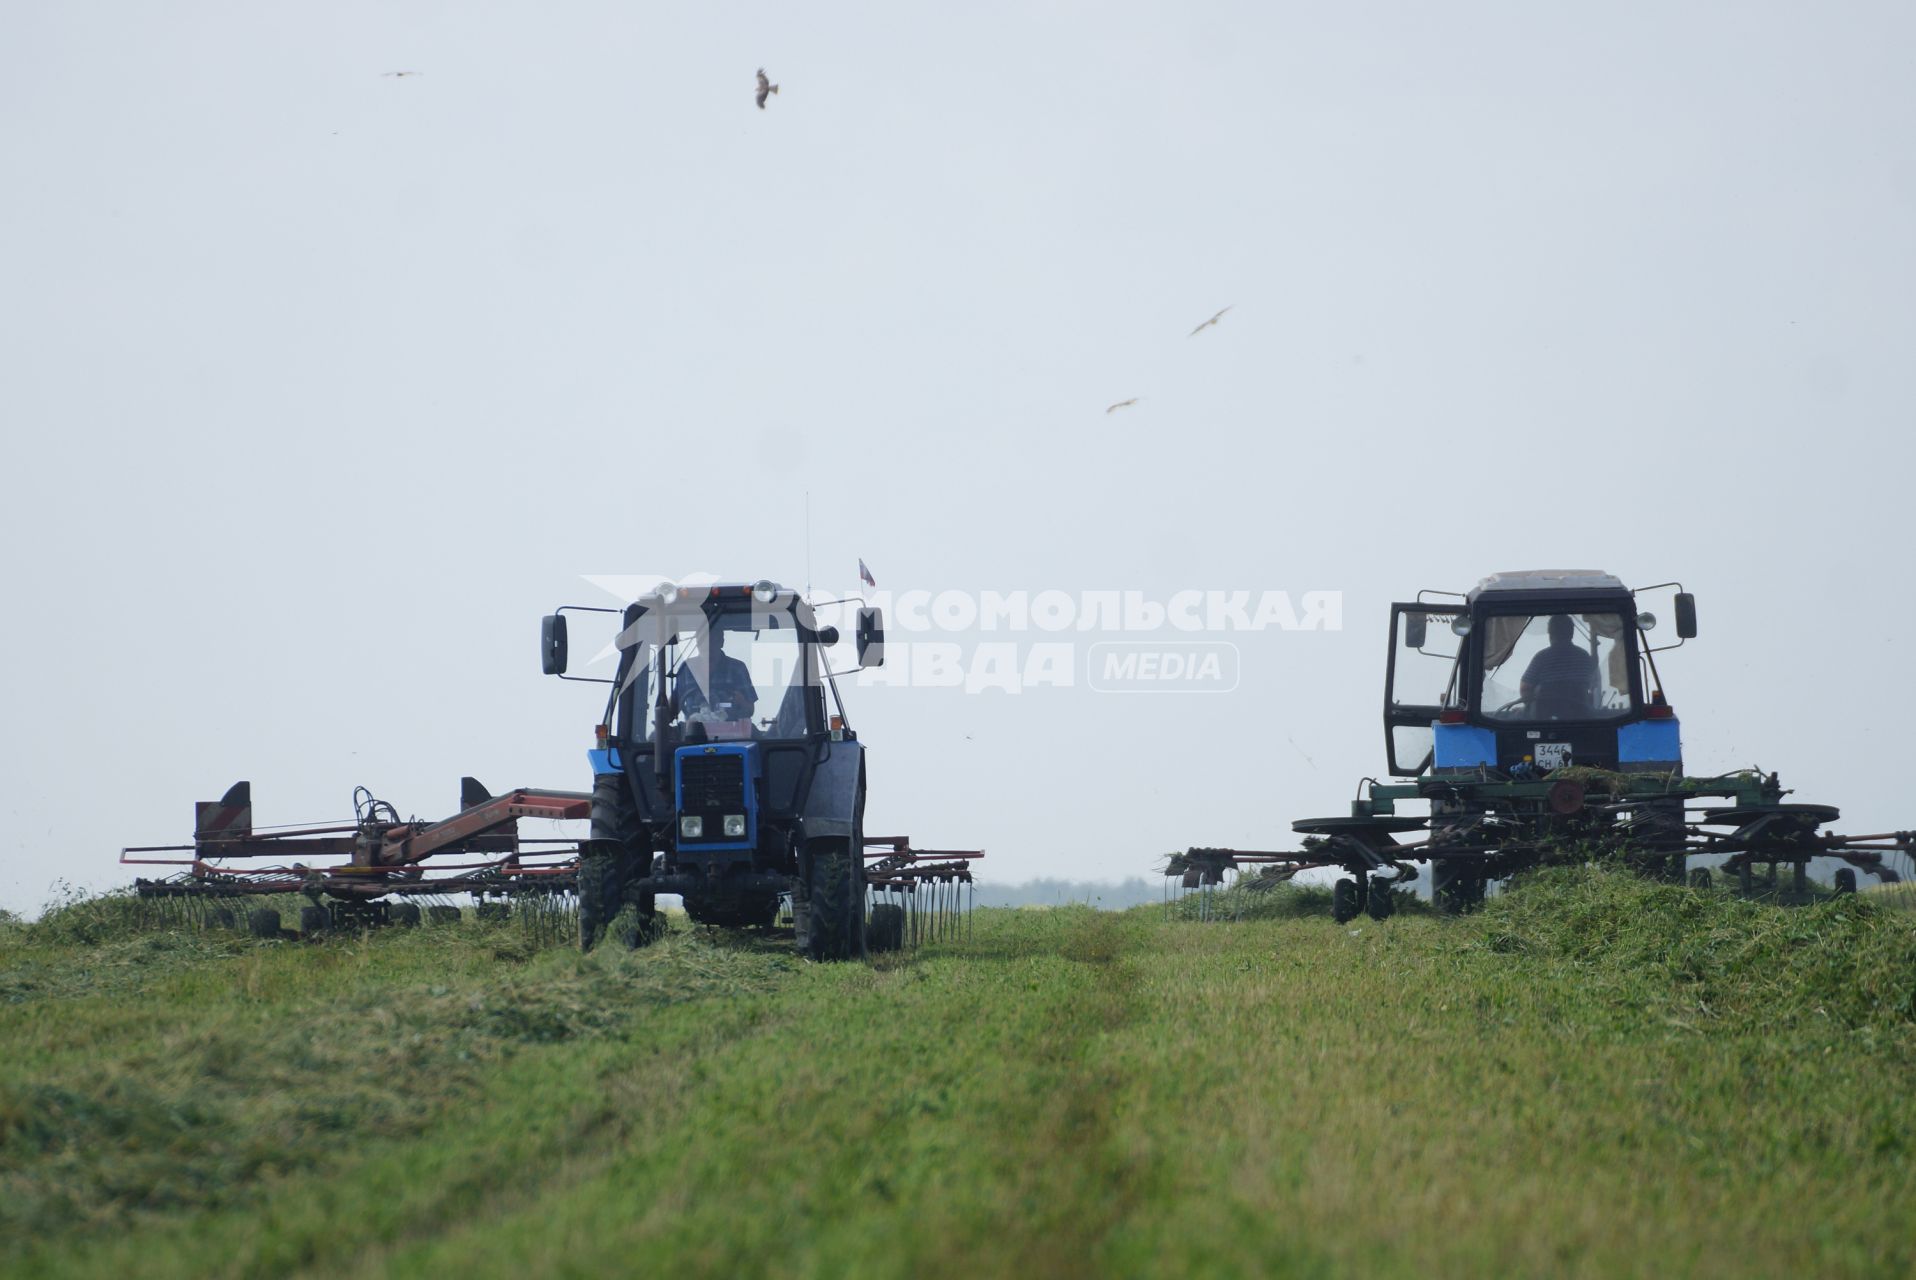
(723, 722)
(1528, 673)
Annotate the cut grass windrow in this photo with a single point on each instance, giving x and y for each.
(1595, 1076)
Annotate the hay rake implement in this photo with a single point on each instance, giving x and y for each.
(378, 869)
(926, 895)
(1204, 874)
(1656, 829)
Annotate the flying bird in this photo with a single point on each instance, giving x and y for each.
(1208, 323)
(384, 74)
(765, 88)
(1122, 404)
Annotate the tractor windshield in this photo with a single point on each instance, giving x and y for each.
(1554, 666)
(729, 675)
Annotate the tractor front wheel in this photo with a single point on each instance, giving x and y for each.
(837, 902)
(601, 892)
(614, 869)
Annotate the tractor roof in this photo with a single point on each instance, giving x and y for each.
(1555, 580)
(699, 592)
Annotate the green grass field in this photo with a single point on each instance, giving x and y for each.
(1593, 1077)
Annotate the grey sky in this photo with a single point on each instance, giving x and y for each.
(319, 386)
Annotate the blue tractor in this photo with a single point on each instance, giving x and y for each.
(1529, 717)
(726, 772)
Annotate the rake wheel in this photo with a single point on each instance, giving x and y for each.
(1344, 901)
(885, 931)
(315, 922)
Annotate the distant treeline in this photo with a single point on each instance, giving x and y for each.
(1053, 893)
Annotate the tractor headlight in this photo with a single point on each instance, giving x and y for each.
(668, 593)
(692, 826)
(1460, 625)
(1647, 620)
(734, 824)
(764, 591)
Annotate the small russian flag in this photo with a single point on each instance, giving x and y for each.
(865, 574)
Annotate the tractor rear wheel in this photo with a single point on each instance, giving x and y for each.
(1344, 901)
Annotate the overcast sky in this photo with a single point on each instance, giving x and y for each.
(320, 385)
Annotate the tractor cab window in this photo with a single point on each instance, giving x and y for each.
(1554, 666)
(1424, 677)
(1425, 674)
(729, 676)
(740, 677)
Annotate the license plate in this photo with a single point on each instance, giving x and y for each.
(1552, 755)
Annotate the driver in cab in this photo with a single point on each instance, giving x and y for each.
(1561, 679)
(733, 697)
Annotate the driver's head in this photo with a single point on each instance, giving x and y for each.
(718, 640)
(1561, 628)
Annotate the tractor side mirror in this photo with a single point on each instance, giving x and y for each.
(871, 638)
(1686, 615)
(552, 644)
(1416, 629)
